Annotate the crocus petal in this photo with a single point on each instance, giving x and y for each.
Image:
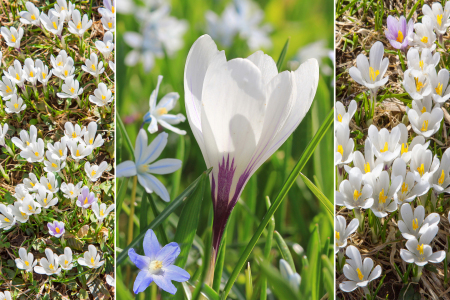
(143, 280)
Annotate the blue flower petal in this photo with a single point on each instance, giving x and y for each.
(168, 254)
(143, 280)
(147, 117)
(165, 284)
(176, 273)
(140, 261)
(151, 244)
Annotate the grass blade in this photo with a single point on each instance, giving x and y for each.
(285, 253)
(121, 194)
(282, 55)
(318, 193)
(125, 134)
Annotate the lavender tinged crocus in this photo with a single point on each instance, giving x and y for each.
(241, 111)
(86, 198)
(397, 32)
(56, 229)
(157, 265)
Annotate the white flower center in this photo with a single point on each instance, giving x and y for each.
(155, 267)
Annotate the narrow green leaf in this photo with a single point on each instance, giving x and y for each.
(285, 253)
(282, 55)
(412, 11)
(248, 282)
(220, 262)
(176, 176)
(267, 248)
(125, 134)
(121, 195)
(205, 265)
(318, 193)
(143, 216)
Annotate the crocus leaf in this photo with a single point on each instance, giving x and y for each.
(282, 55)
(285, 253)
(121, 195)
(318, 193)
(125, 134)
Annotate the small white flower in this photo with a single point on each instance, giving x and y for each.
(341, 115)
(109, 23)
(352, 194)
(94, 172)
(5, 296)
(7, 219)
(110, 8)
(43, 75)
(342, 231)
(112, 66)
(107, 45)
(439, 83)
(411, 187)
(7, 88)
(74, 133)
(59, 149)
(384, 190)
(49, 183)
(79, 25)
(420, 251)
(20, 216)
(414, 224)
(423, 165)
(3, 132)
(440, 180)
(21, 192)
(26, 261)
(344, 145)
(406, 150)
(93, 66)
(64, 8)
(65, 261)
(110, 280)
(70, 89)
(31, 183)
(53, 164)
(365, 162)
(12, 36)
(358, 272)
(79, 150)
(15, 105)
(89, 136)
(26, 139)
(70, 190)
(159, 113)
(53, 23)
(30, 72)
(385, 145)
(418, 62)
(289, 275)
(91, 259)
(49, 265)
(101, 212)
(66, 71)
(426, 124)
(438, 16)
(15, 73)
(417, 87)
(45, 198)
(34, 152)
(29, 206)
(60, 61)
(102, 95)
(31, 16)
(423, 36)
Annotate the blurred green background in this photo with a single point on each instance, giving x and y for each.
(304, 22)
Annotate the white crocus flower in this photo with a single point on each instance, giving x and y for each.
(66, 71)
(102, 95)
(384, 190)
(78, 150)
(423, 164)
(370, 73)
(109, 23)
(65, 260)
(26, 261)
(365, 162)
(426, 124)
(110, 280)
(7, 219)
(53, 164)
(109, 9)
(341, 115)
(344, 144)
(70, 190)
(144, 165)
(101, 212)
(94, 172)
(16, 74)
(15, 105)
(411, 187)
(418, 62)
(50, 265)
(34, 152)
(49, 183)
(352, 193)
(12, 37)
(91, 259)
(90, 138)
(440, 180)
(64, 8)
(60, 61)
(70, 89)
(26, 139)
(30, 72)
(5, 296)
(20, 192)
(78, 25)
(20, 216)
(414, 224)
(43, 75)
(93, 66)
(342, 231)
(31, 183)
(289, 275)
(3, 132)
(31, 15)
(29, 206)
(158, 113)
(420, 251)
(74, 133)
(45, 198)
(384, 143)
(417, 87)
(53, 23)
(440, 87)
(423, 36)
(406, 149)
(7, 88)
(59, 149)
(107, 45)
(358, 272)
(438, 16)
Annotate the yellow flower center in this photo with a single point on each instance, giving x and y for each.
(113, 9)
(79, 26)
(27, 263)
(66, 73)
(415, 224)
(424, 40)
(404, 187)
(16, 105)
(23, 214)
(386, 147)
(60, 152)
(439, 89)
(86, 200)
(72, 90)
(92, 260)
(74, 136)
(54, 165)
(404, 148)
(45, 200)
(44, 75)
(162, 111)
(340, 150)
(51, 266)
(32, 184)
(54, 25)
(367, 167)
(93, 173)
(421, 170)
(66, 262)
(439, 19)
(78, 153)
(17, 76)
(33, 17)
(101, 212)
(30, 208)
(373, 74)
(8, 89)
(13, 38)
(356, 195)
(109, 24)
(441, 179)
(57, 230)
(71, 192)
(338, 235)
(419, 84)
(60, 63)
(421, 64)
(424, 126)
(381, 197)
(93, 67)
(91, 141)
(31, 74)
(156, 265)
(103, 97)
(360, 275)
(400, 37)
(6, 219)
(36, 153)
(339, 117)
(424, 109)
(49, 186)
(420, 248)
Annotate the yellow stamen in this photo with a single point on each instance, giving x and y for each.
(404, 148)
(424, 109)
(6, 219)
(424, 40)
(373, 74)
(441, 179)
(400, 37)
(386, 147)
(421, 170)
(54, 25)
(415, 224)
(439, 89)
(16, 106)
(339, 117)
(49, 186)
(51, 266)
(13, 38)
(93, 173)
(86, 200)
(23, 214)
(92, 260)
(74, 136)
(57, 230)
(32, 184)
(338, 235)
(109, 24)
(60, 63)
(367, 167)
(162, 111)
(8, 89)
(91, 141)
(93, 67)
(27, 263)
(356, 195)
(360, 275)
(66, 262)
(71, 192)
(113, 9)
(36, 153)
(424, 126)
(101, 212)
(60, 152)
(439, 19)
(31, 74)
(33, 17)
(66, 73)
(30, 208)
(419, 84)
(28, 143)
(404, 187)
(54, 165)
(17, 76)
(44, 75)
(45, 200)
(78, 153)
(340, 150)
(420, 248)
(381, 197)
(72, 90)
(421, 64)
(79, 26)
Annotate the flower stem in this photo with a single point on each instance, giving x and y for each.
(130, 220)
(418, 274)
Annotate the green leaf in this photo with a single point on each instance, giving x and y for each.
(318, 193)
(280, 286)
(121, 195)
(285, 253)
(309, 150)
(163, 215)
(282, 55)
(125, 134)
